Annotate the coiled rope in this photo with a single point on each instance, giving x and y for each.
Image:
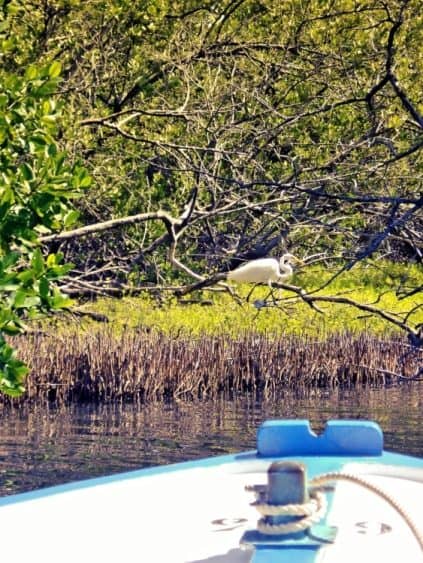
(314, 510)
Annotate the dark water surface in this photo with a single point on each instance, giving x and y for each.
(42, 446)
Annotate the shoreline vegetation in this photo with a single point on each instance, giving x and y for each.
(149, 150)
(103, 366)
(151, 349)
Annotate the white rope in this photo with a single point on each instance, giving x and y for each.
(314, 510)
(306, 509)
(330, 477)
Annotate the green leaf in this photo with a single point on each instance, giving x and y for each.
(10, 259)
(26, 276)
(20, 370)
(71, 218)
(55, 69)
(44, 288)
(6, 352)
(4, 99)
(85, 182)
(19, 299)
(26, 171)
(4, 208)
(52, 148)
(8, 287)
(37, 262)
(31, 301)
(31, 72)
(51, 260)
(49, 119)
(11, 330)
(7, 45)
(60, 301)
(7, 195)
(12, 391)
(38, 140)
(46, 89)
(42, 229)
(59, 271)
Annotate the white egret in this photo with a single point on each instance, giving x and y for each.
(264, 270)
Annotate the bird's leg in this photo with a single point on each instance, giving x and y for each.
(275, 297)
(269, 283)
(251, 292)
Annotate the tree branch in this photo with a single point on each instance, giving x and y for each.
(111, 224)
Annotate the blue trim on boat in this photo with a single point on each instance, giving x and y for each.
(293, 554)
(280, 439)
(315, 466)
(135, 474)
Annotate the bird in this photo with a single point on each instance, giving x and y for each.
(264, 270)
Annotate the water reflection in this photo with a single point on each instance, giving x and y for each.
(41, 446)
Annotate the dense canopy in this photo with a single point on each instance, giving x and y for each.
(159, 143)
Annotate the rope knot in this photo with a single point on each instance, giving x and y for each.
(308, 513)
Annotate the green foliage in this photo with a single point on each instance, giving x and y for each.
(282, 114)
(272, 83)
(12, 370)
(376, 284)
(36, 186)
(36, 181)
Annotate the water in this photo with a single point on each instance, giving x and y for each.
(41, 446)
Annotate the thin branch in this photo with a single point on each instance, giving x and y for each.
(414, 334)
(418, 376)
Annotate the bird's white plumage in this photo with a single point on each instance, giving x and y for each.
(263, 270)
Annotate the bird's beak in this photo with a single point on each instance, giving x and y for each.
(299, 261)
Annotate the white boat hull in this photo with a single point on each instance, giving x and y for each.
(200, 511)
